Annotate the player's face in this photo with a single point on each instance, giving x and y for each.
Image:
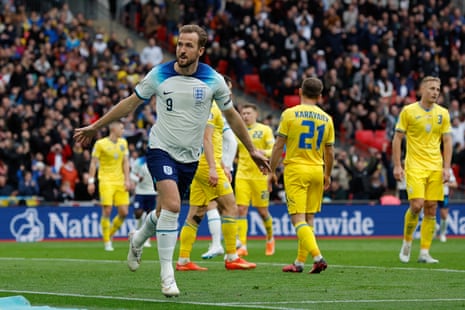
(187, 49)
(118, 130)
(430, 92)
(249, 116)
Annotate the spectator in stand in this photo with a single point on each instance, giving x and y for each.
(80, 190)
(340, 174)
(385, 85)
(271, 75)
(360, 172)
(27, 186)
(55, 157)
(132, 13)
(5, 188)
(240, 62)
(65, 193)
(48, 185)
(378, 185)
(151, 55)
(99, 44)
(151, 18)
(335, 191)
(69, 174)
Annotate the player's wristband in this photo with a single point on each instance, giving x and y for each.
(91, 180)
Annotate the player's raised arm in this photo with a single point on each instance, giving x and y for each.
(84, 135)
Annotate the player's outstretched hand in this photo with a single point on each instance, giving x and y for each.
(84, 135)
(261, 161)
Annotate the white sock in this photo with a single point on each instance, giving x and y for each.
(231, 257)
(167, 235)
(297, 263)
(317, 258)
(443, 226)
(424, 251)
(214, 225)
(147, 230)
(406, 243)
(183, 260)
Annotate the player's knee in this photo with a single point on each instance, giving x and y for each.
(197, 219)
(416, 206)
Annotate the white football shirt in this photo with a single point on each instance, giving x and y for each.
(183, 106)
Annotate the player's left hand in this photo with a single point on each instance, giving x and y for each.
(213, 177)
(272, 180)
(445, 175)
(261, 161)
(84, 135)
(128, 185)
(327, 182)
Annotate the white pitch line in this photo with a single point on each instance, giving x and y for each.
(256, 305)
(106, 261)
(166, 300)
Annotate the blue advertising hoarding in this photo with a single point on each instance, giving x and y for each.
(31, 224)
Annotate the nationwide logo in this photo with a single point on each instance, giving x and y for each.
(344, 225)
(27, 227)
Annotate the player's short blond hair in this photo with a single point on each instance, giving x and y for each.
(429, 78)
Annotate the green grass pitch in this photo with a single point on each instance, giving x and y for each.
(362, 274)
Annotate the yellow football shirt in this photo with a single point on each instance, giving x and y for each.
(110, 156)
(308, 130)
(263, 139)
(423, 131)
(216, 121)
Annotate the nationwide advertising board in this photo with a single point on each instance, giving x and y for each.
(32, 224)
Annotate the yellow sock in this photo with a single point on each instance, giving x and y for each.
(269, 227)
(302, 254)
(427, 229)
(410, 224)
(307, 237)
(116, 224)
(229, 229)
(242, 227)
(105, 224)
(187, 239)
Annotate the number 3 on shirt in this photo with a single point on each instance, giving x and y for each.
(310, 134)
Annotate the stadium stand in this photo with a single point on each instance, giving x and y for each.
(52, 80)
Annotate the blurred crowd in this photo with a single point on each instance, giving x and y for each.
(370, 54)
(58, 72)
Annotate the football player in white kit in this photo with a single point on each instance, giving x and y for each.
(184, 90)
